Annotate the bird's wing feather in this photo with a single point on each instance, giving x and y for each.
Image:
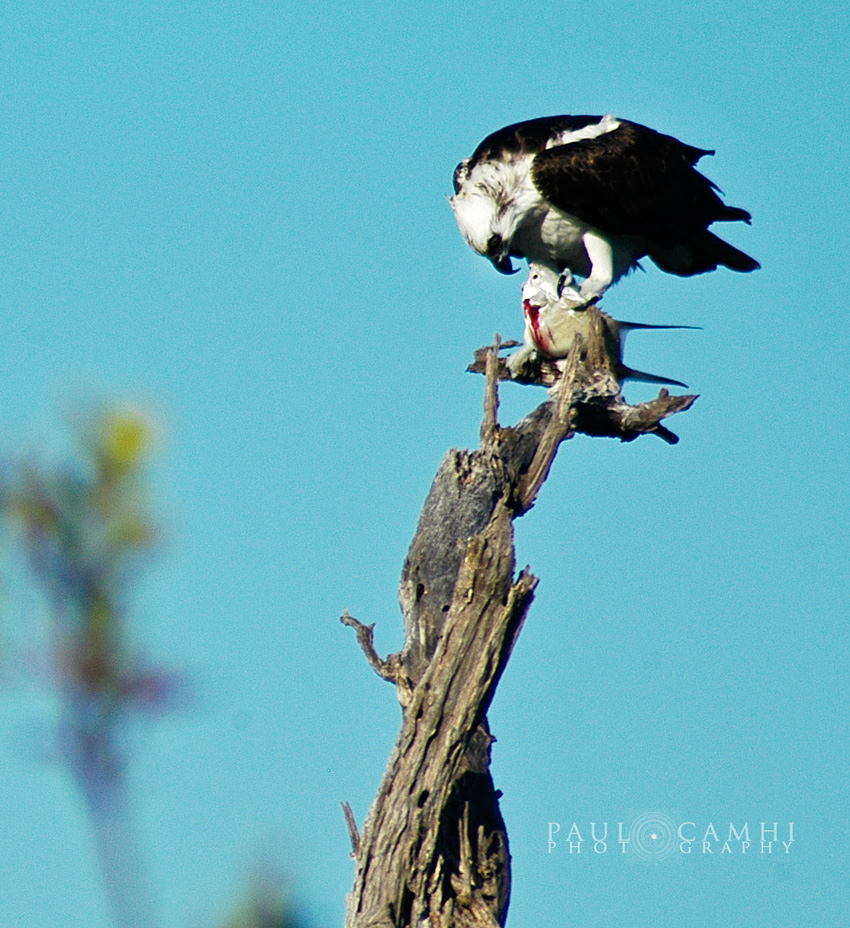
(528, 137)
(632, 181)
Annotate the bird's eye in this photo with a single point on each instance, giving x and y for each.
(494, 245)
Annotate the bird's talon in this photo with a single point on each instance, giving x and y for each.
(591, 302)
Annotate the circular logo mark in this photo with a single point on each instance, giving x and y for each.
(653, 836)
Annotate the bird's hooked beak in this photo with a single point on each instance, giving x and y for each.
(499, 255)
(504, 266)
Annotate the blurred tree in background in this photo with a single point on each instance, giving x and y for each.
(266, 902)
(85, 533)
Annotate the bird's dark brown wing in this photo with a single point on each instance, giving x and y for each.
(632, 181)
(527, 138)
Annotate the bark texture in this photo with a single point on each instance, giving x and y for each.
(434, 848)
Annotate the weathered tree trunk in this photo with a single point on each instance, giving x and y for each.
(434, 849)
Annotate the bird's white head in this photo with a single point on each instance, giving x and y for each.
(479, 208)
(475, 212)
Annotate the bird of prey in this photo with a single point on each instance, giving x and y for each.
(592, 195)
(552, 322)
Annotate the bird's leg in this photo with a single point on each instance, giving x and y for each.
(601, 266)
(567, 290)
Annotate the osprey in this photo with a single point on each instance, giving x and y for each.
(592, 195)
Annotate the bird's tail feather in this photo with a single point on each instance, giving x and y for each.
(705, 252)
(734, 214)
(731, 257)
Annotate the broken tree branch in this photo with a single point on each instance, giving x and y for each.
(433, 852)
(490, 423)
(351, 825)
(388, 669)
(558, 429)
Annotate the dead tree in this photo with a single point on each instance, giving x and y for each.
(434, 848)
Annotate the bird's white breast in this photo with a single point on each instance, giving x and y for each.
(552, 238)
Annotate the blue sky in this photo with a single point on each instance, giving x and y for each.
(235, 214)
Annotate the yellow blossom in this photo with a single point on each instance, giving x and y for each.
(123, 438)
